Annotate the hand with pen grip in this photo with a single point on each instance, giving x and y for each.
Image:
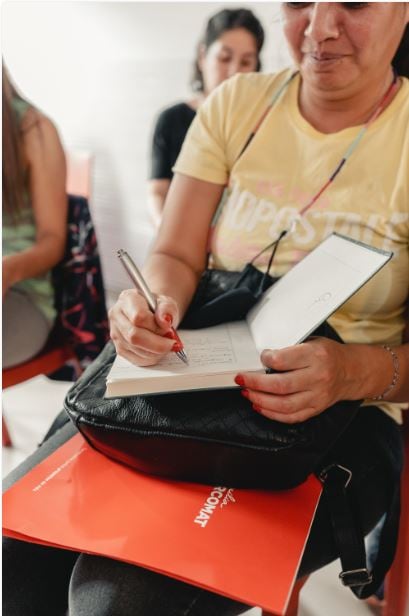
(141, 336)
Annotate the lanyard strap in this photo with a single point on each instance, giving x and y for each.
(348, 153)
(273, 101)
(351, 148)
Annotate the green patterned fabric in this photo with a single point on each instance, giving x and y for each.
(21, 236)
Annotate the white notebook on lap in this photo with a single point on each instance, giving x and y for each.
(286, 314)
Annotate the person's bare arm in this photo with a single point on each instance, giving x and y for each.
(47, 178)
(172, 271)
(376, 370)
(156, 192)
(179, 254)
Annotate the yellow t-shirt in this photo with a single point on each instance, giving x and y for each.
(287, 162)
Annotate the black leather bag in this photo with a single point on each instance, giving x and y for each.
(212, 436)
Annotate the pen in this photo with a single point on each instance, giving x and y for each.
(140, 283)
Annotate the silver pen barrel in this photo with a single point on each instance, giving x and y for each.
(137, 278)
(139, 282)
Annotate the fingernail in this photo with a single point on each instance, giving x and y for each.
(256, 408)
(268, 355)
(245, 393)
(177, 337)
(177, 347)
(239, 380)
(168, 318)
(171, 334)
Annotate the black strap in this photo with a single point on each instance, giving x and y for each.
(264, 284)
(349, 537)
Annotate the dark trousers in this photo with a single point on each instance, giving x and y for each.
(42, 581)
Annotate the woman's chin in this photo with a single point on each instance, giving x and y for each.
(326, 74)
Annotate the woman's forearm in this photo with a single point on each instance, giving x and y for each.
(169, 275)
(34, 261)
(371, 369)
(179, 253)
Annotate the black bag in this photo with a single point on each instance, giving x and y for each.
(215, 437)
(211, 436)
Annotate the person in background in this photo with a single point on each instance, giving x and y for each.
(231, 44)
(34, 224)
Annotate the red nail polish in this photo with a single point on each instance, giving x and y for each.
(177, 347)
(239, 380)
(171, 334)
(245, 393)
(177, 338)
(168, 318)
(256, 408)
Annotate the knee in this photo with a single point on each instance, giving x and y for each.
(102, 587)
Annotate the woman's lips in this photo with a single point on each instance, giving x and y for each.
(323, 60)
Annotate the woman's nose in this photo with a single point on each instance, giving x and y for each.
(233, 68)
(323, 22)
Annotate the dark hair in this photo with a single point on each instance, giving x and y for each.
(13, 168)
(227, 19)
(14, 127)
(400, 61)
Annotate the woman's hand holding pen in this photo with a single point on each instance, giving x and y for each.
(139, 335)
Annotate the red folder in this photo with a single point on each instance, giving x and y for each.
(244, 544)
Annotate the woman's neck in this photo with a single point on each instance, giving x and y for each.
(330, 113)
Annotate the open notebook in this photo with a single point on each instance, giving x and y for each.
(286, 314)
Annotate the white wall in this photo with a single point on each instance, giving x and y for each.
(101, 71)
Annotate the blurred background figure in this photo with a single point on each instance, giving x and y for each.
(34, 224)
(231, 44)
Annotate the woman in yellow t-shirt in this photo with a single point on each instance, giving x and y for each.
(343, 117)
(345, 102)
(339, 124)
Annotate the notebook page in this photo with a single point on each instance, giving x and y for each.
(312, 290)
(223, 348)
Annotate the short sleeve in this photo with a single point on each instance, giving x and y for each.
(204, 154)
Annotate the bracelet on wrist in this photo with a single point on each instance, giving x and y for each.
(395, 378)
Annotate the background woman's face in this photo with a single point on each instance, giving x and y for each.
(338, 43)
(235, 51)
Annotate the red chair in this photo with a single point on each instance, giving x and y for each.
(5, 434)
(397, 582)
(54, 355)
(57, 352)
(51, 358)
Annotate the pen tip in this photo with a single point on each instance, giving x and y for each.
(182, 355)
